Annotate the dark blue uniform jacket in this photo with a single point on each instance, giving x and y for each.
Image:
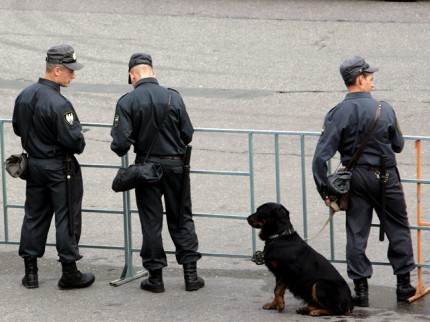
(139, 114)
(344, 128)
(54, 126)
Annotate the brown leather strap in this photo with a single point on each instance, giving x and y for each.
(366, 139)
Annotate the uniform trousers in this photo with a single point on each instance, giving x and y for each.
(46, 195)
(365, 195)
(150, 207)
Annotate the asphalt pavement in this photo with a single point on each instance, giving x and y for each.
(262, 65)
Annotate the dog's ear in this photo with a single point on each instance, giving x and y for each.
(282, 214)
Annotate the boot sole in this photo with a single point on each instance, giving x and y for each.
(69, 287)
(191, 288)
(153, 290)
(31, 286)
(403, 298)
(64, 287)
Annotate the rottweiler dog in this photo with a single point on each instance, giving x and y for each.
(298, 267)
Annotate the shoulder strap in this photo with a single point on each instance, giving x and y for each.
(166, 110)
(366, 139)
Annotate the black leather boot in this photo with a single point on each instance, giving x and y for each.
(192, 281)
(404, 288)
(361, 288)
(30, 279)
(73, 278)
(154, 283)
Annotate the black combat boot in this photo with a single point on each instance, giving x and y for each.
(192, 281)
(30, 279)
(404, 288)
(73, 278)
(154, 283)
(361, 289)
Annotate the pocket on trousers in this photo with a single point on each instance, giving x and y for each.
(177, 170)
(55, 171)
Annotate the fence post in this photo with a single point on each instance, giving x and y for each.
(3, 173)
(420, 288)
(251, 186)
(128, 273)
(304, 195)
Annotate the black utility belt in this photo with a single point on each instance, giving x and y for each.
(160, 157)
(58, 157)
(172, 157)
(377, 171)
(373, 168)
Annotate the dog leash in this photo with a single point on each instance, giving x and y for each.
(323, 227)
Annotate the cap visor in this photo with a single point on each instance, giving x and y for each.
(74, 66)
(371, 69)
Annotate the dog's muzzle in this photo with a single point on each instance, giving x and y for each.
(258, 258)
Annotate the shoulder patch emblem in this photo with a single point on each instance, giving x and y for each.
(116, 120)
(69, 117)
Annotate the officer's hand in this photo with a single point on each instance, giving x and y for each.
(330, 201)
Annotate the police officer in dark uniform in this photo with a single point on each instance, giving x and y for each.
(345, 126)
(138, 116)
(51, 133)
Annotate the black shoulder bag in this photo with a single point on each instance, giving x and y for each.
(16, 164)
(339, 181)
(140, 173)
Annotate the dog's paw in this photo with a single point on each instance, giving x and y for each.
(315, 313)
(275, 305)
(281, 304)
(320, 312)
(303, 310)
(270, 306)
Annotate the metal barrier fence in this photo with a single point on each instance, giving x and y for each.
(126, 211)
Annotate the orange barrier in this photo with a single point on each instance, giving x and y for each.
(421, 291)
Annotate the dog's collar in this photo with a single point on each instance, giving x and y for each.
(288, 231)
(258, 257)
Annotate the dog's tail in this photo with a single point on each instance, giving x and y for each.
(333, 295)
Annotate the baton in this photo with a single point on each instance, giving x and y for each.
(382, 181)
(185, 180)
(68, 162)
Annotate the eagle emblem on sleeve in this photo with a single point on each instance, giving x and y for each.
(116, 120)
(69, 117)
